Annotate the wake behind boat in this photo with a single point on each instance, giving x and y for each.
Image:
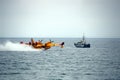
(82, 44)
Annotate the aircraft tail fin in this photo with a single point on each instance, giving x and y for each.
(62, 44)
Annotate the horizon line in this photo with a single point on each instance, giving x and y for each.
(58, 37)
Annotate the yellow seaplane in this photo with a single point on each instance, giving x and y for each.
(40, 45)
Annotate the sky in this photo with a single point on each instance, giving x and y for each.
(60, 18)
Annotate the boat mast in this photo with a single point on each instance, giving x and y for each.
(84, 38)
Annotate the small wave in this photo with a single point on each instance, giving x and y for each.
(10, 46)
(10, 73)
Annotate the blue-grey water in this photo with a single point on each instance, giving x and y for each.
(100, 62)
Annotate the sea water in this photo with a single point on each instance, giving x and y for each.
(100, 62)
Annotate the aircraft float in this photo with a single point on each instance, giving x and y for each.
(40, 45)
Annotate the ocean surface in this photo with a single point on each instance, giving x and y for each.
(100, 62)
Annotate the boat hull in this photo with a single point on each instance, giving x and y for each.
(82, 45)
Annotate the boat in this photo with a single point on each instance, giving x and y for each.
(82, 43)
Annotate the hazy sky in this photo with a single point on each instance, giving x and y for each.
(59, 18)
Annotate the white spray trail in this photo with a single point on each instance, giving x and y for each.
(10, 46)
